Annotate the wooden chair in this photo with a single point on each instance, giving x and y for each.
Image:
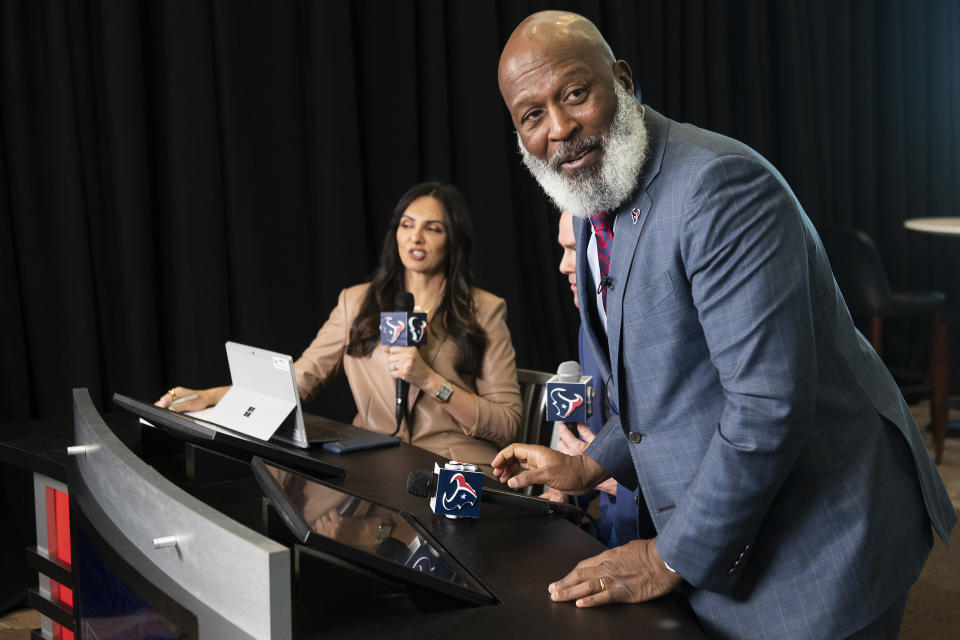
(863, 282)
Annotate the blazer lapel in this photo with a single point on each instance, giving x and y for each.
(628, 228)
(626, 236)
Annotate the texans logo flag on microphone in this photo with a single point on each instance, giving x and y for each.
(394, 329)
(458, 493)
(417, 327)
(566, 405)
(401, 329)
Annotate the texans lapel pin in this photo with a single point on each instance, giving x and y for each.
(635, 215)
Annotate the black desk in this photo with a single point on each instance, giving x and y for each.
(513, 553)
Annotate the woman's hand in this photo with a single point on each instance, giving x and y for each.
(405, 363)
(204, 398)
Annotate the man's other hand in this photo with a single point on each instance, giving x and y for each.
(634, 572)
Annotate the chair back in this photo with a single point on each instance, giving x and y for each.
(858, 271)
(533, 390)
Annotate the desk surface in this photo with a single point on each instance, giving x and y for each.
(513, 553)
(942, 226)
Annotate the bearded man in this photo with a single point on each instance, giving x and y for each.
(789, 487)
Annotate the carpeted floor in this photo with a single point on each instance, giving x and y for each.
(933, 608)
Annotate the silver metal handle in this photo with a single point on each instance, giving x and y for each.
(164, 542)
(77, 449)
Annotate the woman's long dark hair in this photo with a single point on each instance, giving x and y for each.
(456, 313)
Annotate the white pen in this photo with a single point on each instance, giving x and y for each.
(188, 398)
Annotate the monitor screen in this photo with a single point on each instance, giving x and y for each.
(370, 534)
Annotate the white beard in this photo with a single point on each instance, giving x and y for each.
(607, 184)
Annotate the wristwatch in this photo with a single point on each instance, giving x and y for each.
(443, 395)
(384, 529)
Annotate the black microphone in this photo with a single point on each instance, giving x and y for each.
(605, 282)
(423, 483)
(403, 303)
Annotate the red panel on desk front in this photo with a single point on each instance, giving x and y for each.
(58, 544)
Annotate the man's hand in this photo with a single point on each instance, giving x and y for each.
(568, 441)
(554, 496)
(521, 465)
(632, 573)
(571, 445)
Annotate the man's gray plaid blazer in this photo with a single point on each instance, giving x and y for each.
(786, 478)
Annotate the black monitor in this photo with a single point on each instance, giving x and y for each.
(201, 432)
(178, 422)
(367, 534)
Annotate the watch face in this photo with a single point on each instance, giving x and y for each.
(445, 392)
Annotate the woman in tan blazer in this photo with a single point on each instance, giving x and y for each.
(464, 400)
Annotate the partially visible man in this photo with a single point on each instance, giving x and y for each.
(623, 513)
(789, 486)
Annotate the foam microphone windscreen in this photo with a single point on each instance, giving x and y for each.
(403, 301)
(422, 483)
(569, 371)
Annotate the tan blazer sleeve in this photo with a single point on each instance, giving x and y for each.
(499, 405)
(322, 360)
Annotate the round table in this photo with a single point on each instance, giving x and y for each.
(943, 226)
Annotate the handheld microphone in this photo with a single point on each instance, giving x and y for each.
(569, 394)
(424, 483)
(403, 302)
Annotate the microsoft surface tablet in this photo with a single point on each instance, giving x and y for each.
(264, 403)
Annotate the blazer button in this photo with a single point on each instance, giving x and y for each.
(634, 436)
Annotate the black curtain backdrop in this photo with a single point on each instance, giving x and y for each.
(177, 174)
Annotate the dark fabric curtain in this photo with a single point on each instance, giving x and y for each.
(177, 174)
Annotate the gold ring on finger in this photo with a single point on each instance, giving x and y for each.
(173, 394)
(603, 587)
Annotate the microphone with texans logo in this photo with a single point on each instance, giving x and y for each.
(456, 490)
(569, 394)
(403, 328)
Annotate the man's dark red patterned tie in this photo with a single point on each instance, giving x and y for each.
(602, 223)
